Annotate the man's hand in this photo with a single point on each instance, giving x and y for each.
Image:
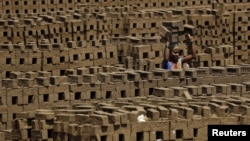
(163, 39)
(189, 37)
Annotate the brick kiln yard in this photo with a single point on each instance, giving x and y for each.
(85, 70)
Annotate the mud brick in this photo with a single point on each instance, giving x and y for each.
(92, 94)
(133, 76)
(61, 92)
(138, 84)
(112, 61)
(9, 83)
(244, 120)
(178, 91)
(206, 112)
(228, 79)
(153, 114)
(123, 93)
(247, 85)
(174, 82)
(192, 73)
(4, 115)
(218, 71)
(177, 126)
(77, 26)
(25, 82)
(14, 96)
(197, 109)
(70, 72)
(118, 77)
(244, 110)
(99, 62)
(57, 80)
(95, 69)
(80, 87)
(109, 68)
(163, 92)
(89, 78)
(164, 32)
(245, 69)
(7, 58)
(233, 108)
(112, 118)
(99, 119)
(44, 115)
(137, 92)
(179, 73)
(50, 58)
(161, 73)
(75, 79)
(233, 70)
(45, 100)
(39, 134)
(75, 129)
(20, 47)
(148, 84)
(145, 75)
(222, 89)
(140, 64)
(186, 111)
(58, 46)
(104, 77)
(203, 71)
(65, 37)
(75, 55)
(90, 24)
(194, 90)
(76, 96)
(203, 57)
(141, 48)
(34, 60)
(6, 31)
(219, 110)
(190, 29)
(82, 70)
(99, 53)
(20, 124)
(44, 81)
(174, 23)
(108, 94)
(16, 75)
(11, 113)
(208, 89)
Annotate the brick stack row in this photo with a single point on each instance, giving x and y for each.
(56, 57)
(215, 25)
(169, 119)
(35, 90)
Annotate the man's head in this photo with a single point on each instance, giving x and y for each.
(174, 52)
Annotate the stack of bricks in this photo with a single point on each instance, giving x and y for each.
(182, 120)
(42, 90)
(221, 55)
(90, 29)
(176, 29)
(77, 29)
(64, 27)
(6, 34)
(140, 53)
(103, 26)
(241, 36)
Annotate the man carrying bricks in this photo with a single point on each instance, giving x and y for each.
(171, 56)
